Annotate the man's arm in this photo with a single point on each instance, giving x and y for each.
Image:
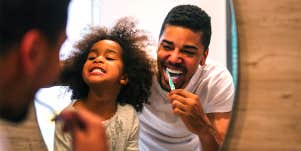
(210, 128)
(217, 129)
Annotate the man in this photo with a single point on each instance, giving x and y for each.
(195, 115)
(32, 32)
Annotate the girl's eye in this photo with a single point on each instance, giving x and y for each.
(91, 58)
(110, 58)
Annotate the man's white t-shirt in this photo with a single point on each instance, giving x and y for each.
(161, 130)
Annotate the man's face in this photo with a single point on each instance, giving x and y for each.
(180, 52)
(49, 68)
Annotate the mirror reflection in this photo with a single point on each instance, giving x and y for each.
(197, 68)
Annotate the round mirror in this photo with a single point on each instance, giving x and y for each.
(150, 15)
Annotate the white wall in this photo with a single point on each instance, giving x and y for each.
(151, 13)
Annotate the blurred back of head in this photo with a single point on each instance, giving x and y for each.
(19, 16)
(25, 25)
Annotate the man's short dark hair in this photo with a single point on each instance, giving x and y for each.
(19, 16)
(191, 17)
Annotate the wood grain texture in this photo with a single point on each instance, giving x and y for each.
(268, 110)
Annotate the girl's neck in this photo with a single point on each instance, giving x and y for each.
(102, 104)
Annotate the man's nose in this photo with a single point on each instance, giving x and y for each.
(175, 57)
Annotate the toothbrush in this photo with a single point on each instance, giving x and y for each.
(55, 115)
(172, 86)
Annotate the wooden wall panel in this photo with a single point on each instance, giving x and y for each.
(268, 109)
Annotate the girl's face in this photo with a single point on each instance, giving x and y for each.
(104, 64)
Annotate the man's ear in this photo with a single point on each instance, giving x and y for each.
(205, 54)
(31, 51)
(124, 79)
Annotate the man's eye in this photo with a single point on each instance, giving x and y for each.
(166, 47)
(190, 53)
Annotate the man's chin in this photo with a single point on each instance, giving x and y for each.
(13, 116)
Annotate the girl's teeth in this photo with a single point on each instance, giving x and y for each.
(97, 71)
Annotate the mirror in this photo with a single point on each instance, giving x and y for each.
(223, 46)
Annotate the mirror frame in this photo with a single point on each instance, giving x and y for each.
(231, 57)
(232, 65)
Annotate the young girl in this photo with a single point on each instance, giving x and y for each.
(110, 76)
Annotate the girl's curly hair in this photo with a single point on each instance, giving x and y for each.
(137, 64)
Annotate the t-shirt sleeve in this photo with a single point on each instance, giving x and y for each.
(221, 93)
(132, 144)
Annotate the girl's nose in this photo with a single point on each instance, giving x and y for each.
(99, 59)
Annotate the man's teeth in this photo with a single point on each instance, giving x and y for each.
(172, 71)
(174, 74)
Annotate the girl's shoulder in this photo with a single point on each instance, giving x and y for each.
(125, 119)
(126, 110)
(126, 114)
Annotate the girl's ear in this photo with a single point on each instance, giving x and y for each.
(124, 79)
